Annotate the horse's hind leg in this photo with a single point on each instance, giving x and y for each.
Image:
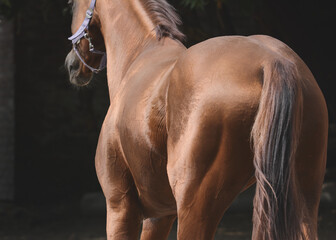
(310, 184)
(157, 228)
(123, 216)
(311, 163)
(207, 169)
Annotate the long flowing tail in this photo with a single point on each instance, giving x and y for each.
(277, 212)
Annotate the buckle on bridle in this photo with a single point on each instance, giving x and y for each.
(89, 13)
(89, 39)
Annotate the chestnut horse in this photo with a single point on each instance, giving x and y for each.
(187, 130)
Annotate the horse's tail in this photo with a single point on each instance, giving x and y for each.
(275, 134)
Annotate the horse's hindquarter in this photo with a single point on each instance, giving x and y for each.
(311, 155)
(213, 99)
(219, 80)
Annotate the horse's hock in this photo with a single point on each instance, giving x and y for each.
(6, 111)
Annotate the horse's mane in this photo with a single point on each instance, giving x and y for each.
(165, 19)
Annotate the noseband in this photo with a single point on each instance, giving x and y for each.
(83, 32)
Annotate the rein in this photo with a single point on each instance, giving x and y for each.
(83, 32)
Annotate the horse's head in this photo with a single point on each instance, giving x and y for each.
(84, 59)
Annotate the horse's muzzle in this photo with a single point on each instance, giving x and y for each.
(73, 66)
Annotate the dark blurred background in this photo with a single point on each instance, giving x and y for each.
(49, 128)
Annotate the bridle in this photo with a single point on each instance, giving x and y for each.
(83, 32)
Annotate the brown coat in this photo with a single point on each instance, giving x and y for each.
(188, 129)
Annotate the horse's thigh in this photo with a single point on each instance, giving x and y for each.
(122, 204)
(123, 214)
(207, 169)
(123, 209)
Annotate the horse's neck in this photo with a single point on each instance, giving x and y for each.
(127, 30)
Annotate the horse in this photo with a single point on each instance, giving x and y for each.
(188, 129)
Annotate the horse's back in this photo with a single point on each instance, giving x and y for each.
(237, 57)
(230, 58)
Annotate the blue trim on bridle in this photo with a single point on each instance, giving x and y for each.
(82, 32)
